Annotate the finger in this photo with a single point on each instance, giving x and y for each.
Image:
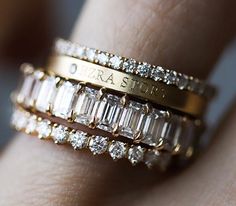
(150, 32)
(211, 181)
(187, 36)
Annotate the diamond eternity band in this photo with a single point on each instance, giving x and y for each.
(129, 65)
(32, 124)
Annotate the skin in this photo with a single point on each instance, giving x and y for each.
(188, 36)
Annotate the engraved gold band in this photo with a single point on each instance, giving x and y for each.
(146, 89)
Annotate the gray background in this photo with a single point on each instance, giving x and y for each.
(64, 14)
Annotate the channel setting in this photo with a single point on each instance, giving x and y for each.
(98, 109)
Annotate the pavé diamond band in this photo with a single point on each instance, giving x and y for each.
(32, 124)
(145, 89)
(105, 111)
(142, 69)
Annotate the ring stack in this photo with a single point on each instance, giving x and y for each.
(111, 104)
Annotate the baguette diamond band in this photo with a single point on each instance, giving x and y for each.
(113, 114)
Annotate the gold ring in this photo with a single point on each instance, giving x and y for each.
(146, 89)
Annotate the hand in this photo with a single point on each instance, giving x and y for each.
(187, 36)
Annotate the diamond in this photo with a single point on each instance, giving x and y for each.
(193, 84)
(46, 94)
(182, 81)
(98, 145)
(86, 106)
(172, 130)
(80, 52)
(132, 119)
(61, 46)
(60, 134)
(31, 125)
(78, 140)
(44, 129)
(38, 75)
(170, 77)
(90, 54)
(63, 100)
(201, 88)
(71, 49)
(26, 88)
(187, 135)
(20, 119)
(158, 73)
(144, 69)
(102, 58)
(130, 65)
(117, 150)
(115, 62)
(153, 126)
(164, 161)
(151, 158)
(108, 112)
(14, 117)
(135, 154)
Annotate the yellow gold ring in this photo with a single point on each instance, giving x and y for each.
(145, 89)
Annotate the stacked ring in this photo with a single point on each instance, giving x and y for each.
(101, 110)
(106, 103)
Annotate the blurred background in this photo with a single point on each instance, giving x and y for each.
(28, 29)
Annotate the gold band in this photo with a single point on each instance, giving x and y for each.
(146, 89)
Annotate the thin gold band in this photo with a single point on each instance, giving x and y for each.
(146, 89)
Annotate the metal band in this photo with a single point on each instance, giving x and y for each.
(115, 115)
(128, 65)
(146, 89)
(30, 123)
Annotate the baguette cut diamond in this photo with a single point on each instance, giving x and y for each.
(187, 135)
(108, 112)
(36, 87)
(153, 126)
(63, 100)
(25, 90)
(86, 106)
(132, 119)
(46, 94)
(173, 130)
